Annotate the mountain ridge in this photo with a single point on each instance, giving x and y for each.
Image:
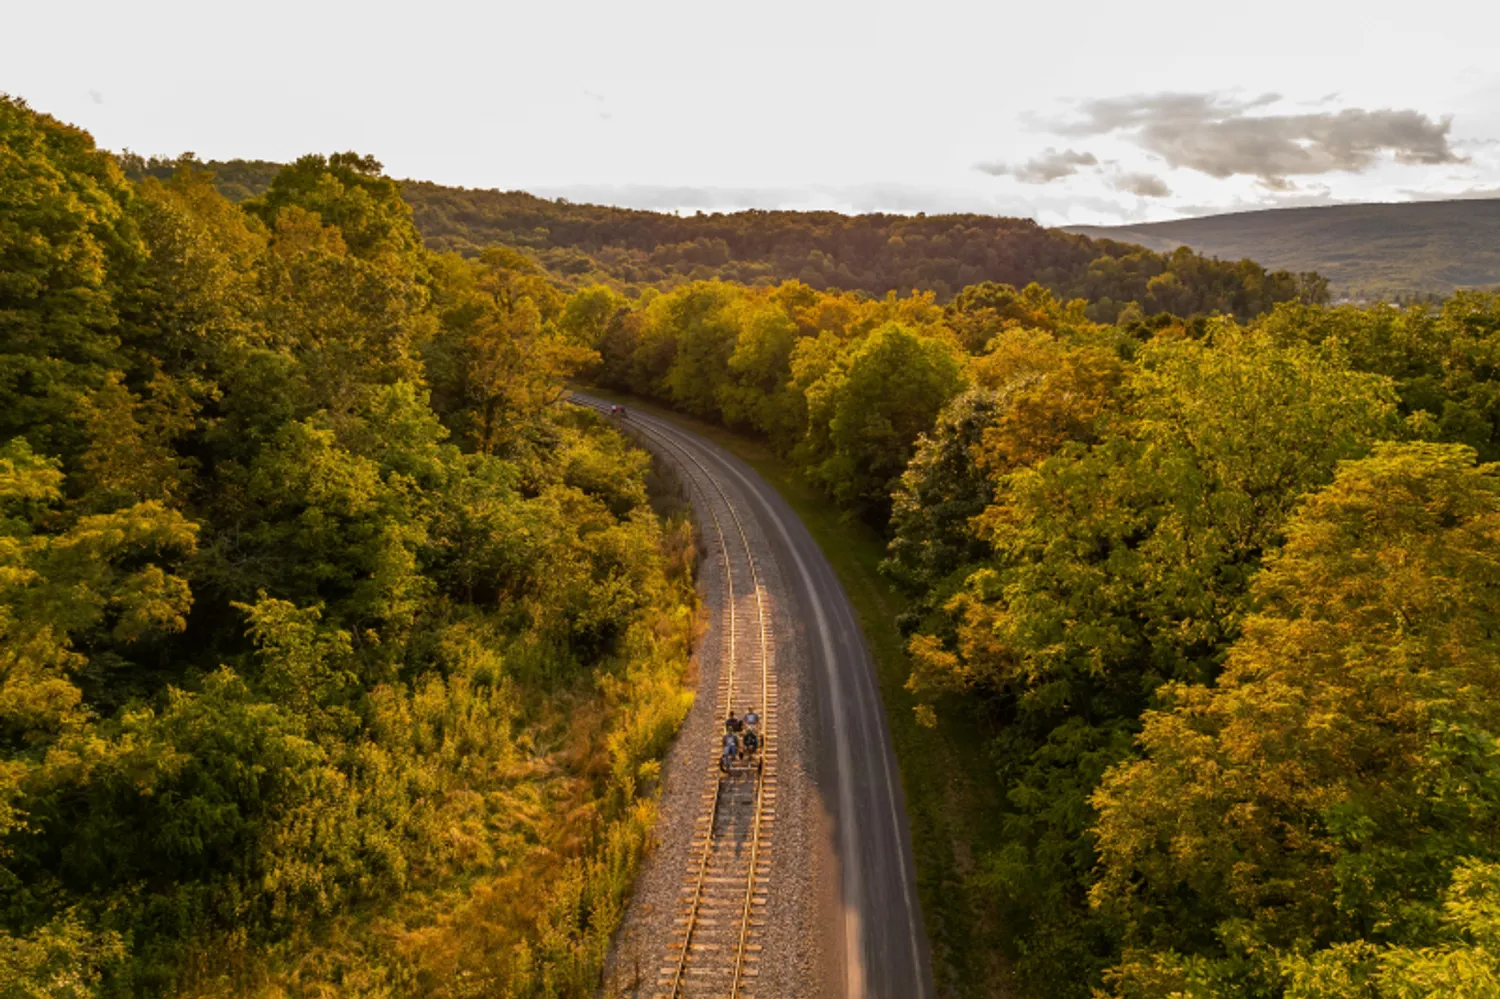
(1370, 250)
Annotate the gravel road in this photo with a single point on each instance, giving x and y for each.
(841, 917)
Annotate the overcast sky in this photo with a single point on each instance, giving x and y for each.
(1092, 112)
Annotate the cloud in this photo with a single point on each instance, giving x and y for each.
(1467, 194)
(599, 104)
(1327, 98)
(1044, 169)
(96, 97)
(1223, 137)
(1142, 185)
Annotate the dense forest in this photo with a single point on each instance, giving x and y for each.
(1227, 595)
(336, 658)
(290, 709)
(874, 254)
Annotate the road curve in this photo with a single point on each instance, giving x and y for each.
(884, 947)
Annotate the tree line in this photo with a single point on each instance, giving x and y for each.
(335, 655)
(873, 254)
(1226, 594)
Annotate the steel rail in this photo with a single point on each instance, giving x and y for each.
(765, 700)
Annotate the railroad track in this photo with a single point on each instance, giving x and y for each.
(714, 949)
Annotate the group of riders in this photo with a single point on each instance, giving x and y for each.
(741, 738)
(617, 411)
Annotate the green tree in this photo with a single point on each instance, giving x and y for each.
(277, 646)
(881, 394)
(942, 490)
(500, 359)
(760, 395)
(347, 191)
(1441, 360)
(1309, 809)
(1123, 564)
(701, 323)
(66, 225)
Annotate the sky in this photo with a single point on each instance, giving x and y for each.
(1069, 113)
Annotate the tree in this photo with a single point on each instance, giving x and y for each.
(347, 191)
(1441, 361)
(267, 627)
(67, 225)
(883, 392)
(700, 321)
(588, 314)
(499, 360)
(1122, 564)
(760, 396)
(982, 311)
(1311, 807)
(943, 488)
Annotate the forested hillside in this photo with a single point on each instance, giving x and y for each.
(1428, 248)
(335, 657)
(874, 254)
(1227, 595)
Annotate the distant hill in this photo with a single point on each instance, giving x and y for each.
(1365, 251)
(873, 253)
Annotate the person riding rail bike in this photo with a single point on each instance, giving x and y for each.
(751, 723)
(731, 751)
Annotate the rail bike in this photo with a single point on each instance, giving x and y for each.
(743, 761)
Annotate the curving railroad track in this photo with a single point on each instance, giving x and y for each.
(714, 951)
(837, 914)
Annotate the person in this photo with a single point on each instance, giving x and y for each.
(614, 410)
(733, 724)
(751, 722)
(622, 411)
(731, 751)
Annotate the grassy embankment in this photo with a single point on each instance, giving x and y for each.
(951, 791)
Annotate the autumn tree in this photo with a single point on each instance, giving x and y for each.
(1120, 565)
(1301, 819)
(302, 570)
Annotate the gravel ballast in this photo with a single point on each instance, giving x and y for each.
(802, 892)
